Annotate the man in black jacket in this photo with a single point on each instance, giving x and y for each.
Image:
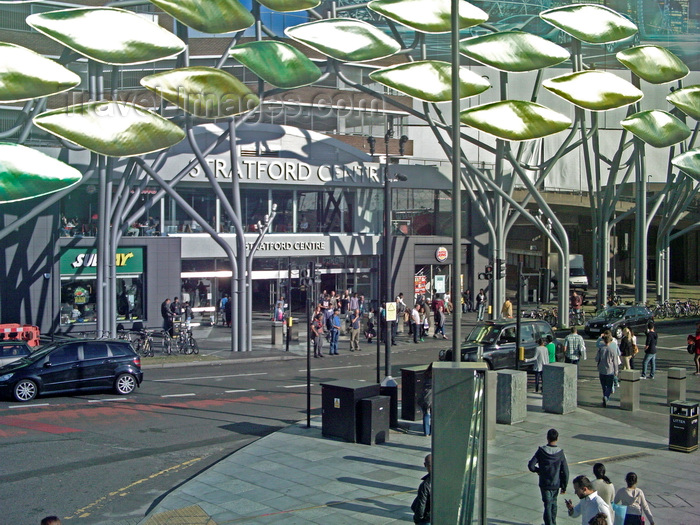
(549, 463)
(421, 505)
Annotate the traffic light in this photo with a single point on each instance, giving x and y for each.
(500, 268)
(487, 273)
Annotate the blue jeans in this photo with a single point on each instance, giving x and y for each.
(335, 333)
(538, 380)
(549, 498)
(649, 358)
(426, 423)
(606, 381)
(480, 312)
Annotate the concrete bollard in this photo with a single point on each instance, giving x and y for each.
(629, 389)
(511, 397)
(491, 389)
(676, 385)
(559, 390)
(277, 333)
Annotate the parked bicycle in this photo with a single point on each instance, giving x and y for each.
(577, 317)
(184, 340)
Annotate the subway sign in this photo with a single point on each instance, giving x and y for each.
(83, 261)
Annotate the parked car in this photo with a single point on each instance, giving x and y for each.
(76, 366)
(12, 351)
(615, 318)
(494, 342)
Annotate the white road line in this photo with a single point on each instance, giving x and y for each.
(206, 377)
(102, 400)
(29, 406)
(179, 395)
(296, 386)
(235, 391)
(332, 368)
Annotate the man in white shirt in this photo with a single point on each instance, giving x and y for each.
(574, 347)
(590, 504)
(415, 321)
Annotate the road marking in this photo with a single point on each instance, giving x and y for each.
(34, 425)
(296, 386)
(29, 406)
(104, 400)
(206, 377)
(235, 391)
(332, 368)
(179, 395)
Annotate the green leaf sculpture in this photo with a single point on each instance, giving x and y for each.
(687, 100)
(277, 63)
(26, 173)
(108, 35)
(286, 6)
(594, 90)
(428, 16)
(657, 128)
(204, 92)
(345, 39)
(513, 51)
(515, 120)
(689, 163)
(430, 80)
(25, 75)
(114, 129)
(210, 16)
(655, 64)
(592, 23)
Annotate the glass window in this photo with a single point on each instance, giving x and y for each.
(64, 354)
(94, 350)
(254, 207)
(78, 300)
(284, 220)
(325, 211)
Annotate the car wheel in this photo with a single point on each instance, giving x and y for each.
(25, 390)
(618, 332)
(125, 384)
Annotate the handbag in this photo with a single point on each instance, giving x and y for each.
(635, 349)
(620, 511)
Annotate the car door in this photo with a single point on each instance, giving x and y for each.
(527, 340)
(636, 320)
(505, 356)
(96, 366)
(61, 368)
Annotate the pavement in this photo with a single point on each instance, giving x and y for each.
(298, 476)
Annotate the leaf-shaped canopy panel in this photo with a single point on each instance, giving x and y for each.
(515, 120)
(345, 39)
(286, 6)
(430, 80)
(429, 16)
(204, 92)
(592, 23)
(594, 90)
(277, 63)
(657, 128)
(210, 16)
(689, 163)
(114, 129)
(687, 100)
(108, 35)
(513, 51)
(25, 75)
(655, 64)
(26, 173)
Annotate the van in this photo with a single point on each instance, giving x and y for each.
(578, 279)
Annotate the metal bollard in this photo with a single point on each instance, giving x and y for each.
(629, 389)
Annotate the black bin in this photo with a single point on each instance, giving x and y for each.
(374, 418)
(683, 427)
(412, 386)
(340, 403)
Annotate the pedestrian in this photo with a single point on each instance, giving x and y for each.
(421, 505)
(167, 315)
(540, 359)
(467, 301)
(626, 351)
(696, 357)
(187, 310)
(551, 349)
(480, 304)
(50, 520)
(426, 404)
(222, 308)
(633, 498)
(549, 463)
(370, 333)
(574, 347)
(415, 323)
(507, 309)
(316, 333)
(355, 326)
(176, 309)
(602, 484)
(606, 358)
(440, 323)
(424, 322)
(228, 312)
(336, 324)
(599, 519)
(590, 503)
(650, 351)
(354, 302)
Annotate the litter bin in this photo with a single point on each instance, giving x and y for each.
(412, 386)
(340, 407)
(373, 421)
(683, 427)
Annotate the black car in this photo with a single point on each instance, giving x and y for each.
(76, 365)
(615, 318)
(494, 341)
(13, 350)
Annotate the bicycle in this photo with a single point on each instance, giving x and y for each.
(577, 318)
(144, 344)
(185, 341)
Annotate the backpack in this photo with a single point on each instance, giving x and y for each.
(691, 346)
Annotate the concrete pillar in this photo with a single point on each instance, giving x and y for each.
(511, 397)
(676, 385)
(559, 390)
(491, 389)
(277, 333)
(629, 389)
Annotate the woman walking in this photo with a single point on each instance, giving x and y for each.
(440, 322)
(633, 498)
(626, 351)
(606, 358)
(696, 357)
(602, 484)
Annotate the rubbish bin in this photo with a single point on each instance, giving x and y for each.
(277, 332)
(340, 406)
(412, 386)
(683, 427)
(373, 422)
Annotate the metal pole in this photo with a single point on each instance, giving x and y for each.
(387, 255)
(517, 313)
(309, 295)
(289, 298)
(456, 187)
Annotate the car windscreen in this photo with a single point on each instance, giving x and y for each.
(577, 272)
(484, 334)
(613, 313)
